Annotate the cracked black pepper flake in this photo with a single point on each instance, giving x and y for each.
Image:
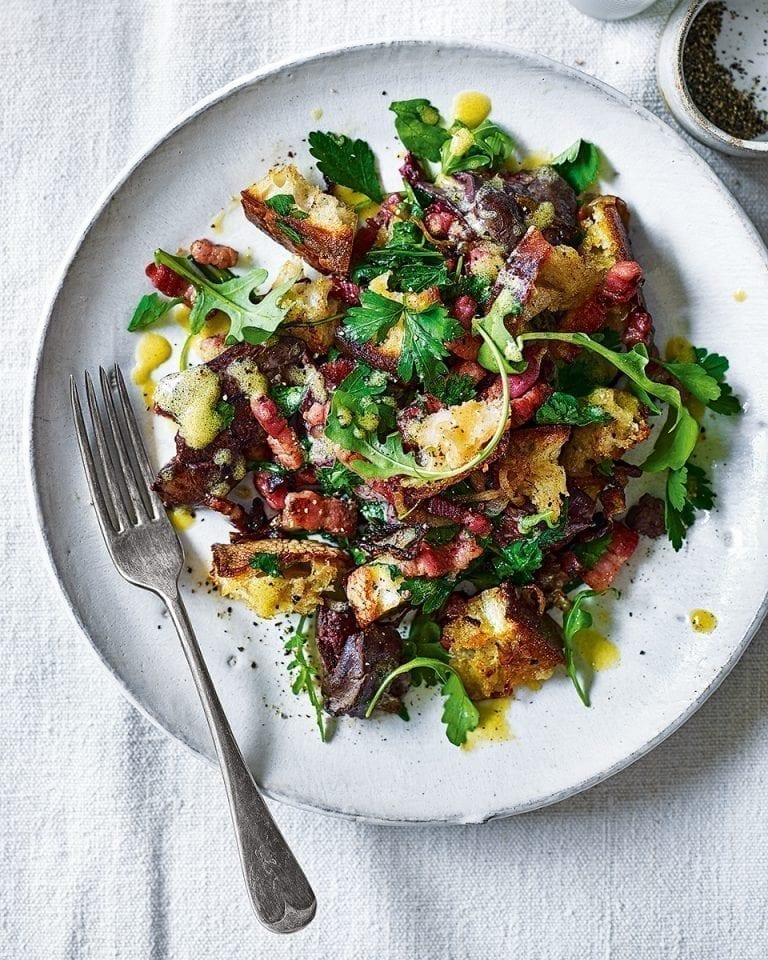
(711, 84)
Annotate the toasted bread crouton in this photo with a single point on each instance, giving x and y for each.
(606, 441)
(529, 468)
(372, 591)
(449, 438)
(309, 302)
(605, 239)
(325, 224)
(496, 643)
(542, 277)
(308, 571)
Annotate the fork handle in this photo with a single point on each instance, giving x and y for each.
(279, 892)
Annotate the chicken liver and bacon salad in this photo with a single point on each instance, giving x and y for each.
(435, 419)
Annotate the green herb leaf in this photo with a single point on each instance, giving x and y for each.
(418, 125)
(505, 305)
(350, 163)
(705, 380)
(424, 338)
(151, 308)
(519, 560)
(305, 673)
(574, 620)
(374, 511)
(226, 412)
(489, 149)
(288, 399)
(414, 263)
(429, 593)
(254, 322)
(373, 319)
(460, 715)
(591, 551)
(291, 232)
(579, 165)
(268, 563)
(281, 203)
(438, 536)
(564, 408)
(688, 489)
(454, 389)
(337, 479)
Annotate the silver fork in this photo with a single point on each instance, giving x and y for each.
(146, 551)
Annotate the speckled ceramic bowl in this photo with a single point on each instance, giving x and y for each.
(743, 39)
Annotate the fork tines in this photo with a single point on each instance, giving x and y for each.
(116, 464)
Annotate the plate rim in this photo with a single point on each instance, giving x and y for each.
(70, 255)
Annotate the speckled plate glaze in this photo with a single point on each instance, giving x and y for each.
(697, 248)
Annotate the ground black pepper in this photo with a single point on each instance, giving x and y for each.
(711, 84)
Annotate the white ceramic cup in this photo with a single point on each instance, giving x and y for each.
(611, 9)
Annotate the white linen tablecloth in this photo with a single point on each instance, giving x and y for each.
(114, 841)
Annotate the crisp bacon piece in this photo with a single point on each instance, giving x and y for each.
(620, 286)
(623, 544)
(368, 233)
(313, 512)
(475, 523)
(169, 282)
(466, 347)
(345, 291)
(639, 328)
(622, 282)
(469, 368)
(273, 487)
(215, 254)
(334, 371)
(281, 437)
(450, 558)
(251, 521)
(438, 219)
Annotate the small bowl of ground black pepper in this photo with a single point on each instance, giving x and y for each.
(712, 69)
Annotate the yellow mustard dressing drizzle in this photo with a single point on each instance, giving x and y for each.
(679, 350)
(703, 621)
(493, 725)
(358, 201)
(740, 295)
(152, 350)
(599, 652)
(182, 518)
(471, 107)
(534, 160)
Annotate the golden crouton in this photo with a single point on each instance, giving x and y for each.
(605, 239)
(372, 591)
(529, 468)
(308, 570)
(324, 224)
(542, 277)
(450, 437)
(309, 302)
(497, 643)
(606, 441)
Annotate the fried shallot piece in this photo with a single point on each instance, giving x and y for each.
(355, 662)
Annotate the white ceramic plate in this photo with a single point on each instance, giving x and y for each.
(697, 248)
